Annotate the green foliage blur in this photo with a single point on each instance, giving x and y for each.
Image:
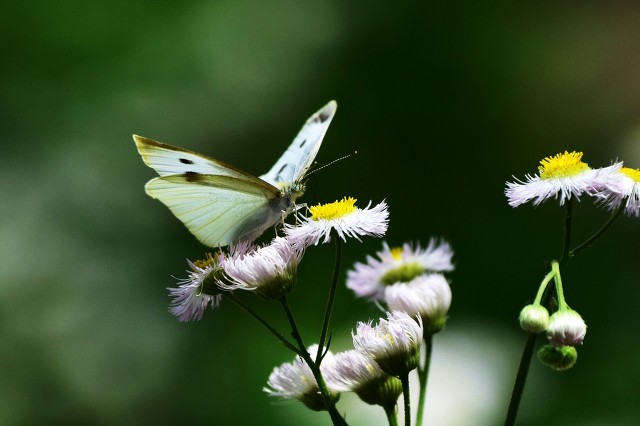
(443, 103)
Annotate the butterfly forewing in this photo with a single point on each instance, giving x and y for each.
(170, 160)
(297, 159)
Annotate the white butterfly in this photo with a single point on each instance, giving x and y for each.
(221, 204)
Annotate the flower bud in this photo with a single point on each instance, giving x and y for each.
(394, 343)
(559, 358)
(383, 391)
(534, 318)
(566, 327)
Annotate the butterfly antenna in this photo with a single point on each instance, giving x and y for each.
(331, 162)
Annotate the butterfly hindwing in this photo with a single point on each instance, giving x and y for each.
(296, 160)
(219, 210)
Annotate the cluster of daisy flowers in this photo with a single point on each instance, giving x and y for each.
(270, 270)
(382, 353)
(408, 278)
(407, 282)
(565, 176)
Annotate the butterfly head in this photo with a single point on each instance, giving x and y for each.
(292, 190)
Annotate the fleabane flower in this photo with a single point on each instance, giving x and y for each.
(427, 295)
(562, 176)
(398, 265)
(566, 328)
(198, 291)
(295, 380)
(270, 270)
(626, 187)
(340, 217)
(353, 371)
(394, 343)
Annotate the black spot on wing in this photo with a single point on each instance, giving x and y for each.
(192, 176)
(186, 161)
(282, 169)
(323, 116)
(302, 143)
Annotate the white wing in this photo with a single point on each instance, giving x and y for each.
(221, 204)
(220, 210)
(170, 160)
(297, 159)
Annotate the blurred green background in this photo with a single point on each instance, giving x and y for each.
(443, 102)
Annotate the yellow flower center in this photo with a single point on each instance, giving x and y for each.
(209, 261)
(335, 210)
(562, 165)
(632, 173)
(402, 274)
(396, 253)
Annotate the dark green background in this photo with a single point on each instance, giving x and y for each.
(443, 102)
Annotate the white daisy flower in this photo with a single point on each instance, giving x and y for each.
(427, 295)
(353, 371)
(295, 380)
(626, 187)
(398, 265)
(566, 328)
(561, 176)
(198, 291)
(341, 217)
(270, 270)
(394, 343)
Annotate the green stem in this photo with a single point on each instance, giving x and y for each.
(404, 379)
(543, 285)
(336, 417)
(273, 331)
(562, 304)
(527, 352)
(423, 374)
(314, 366)
(598, 233)
(331, 299)
(392, 415)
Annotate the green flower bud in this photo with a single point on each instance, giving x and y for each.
(559, 358)
(534, 318)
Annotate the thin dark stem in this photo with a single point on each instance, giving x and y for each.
(314, 365)
(598, 233)
(292, 323)
(330, 300)
(527, 352)
(567, 234)
(273, 331)
(423, 375)
(407, 399)
(521, 378)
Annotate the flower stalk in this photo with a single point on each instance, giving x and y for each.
(404, 379)
(330, 300)
(314, 366)
(423, 375)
